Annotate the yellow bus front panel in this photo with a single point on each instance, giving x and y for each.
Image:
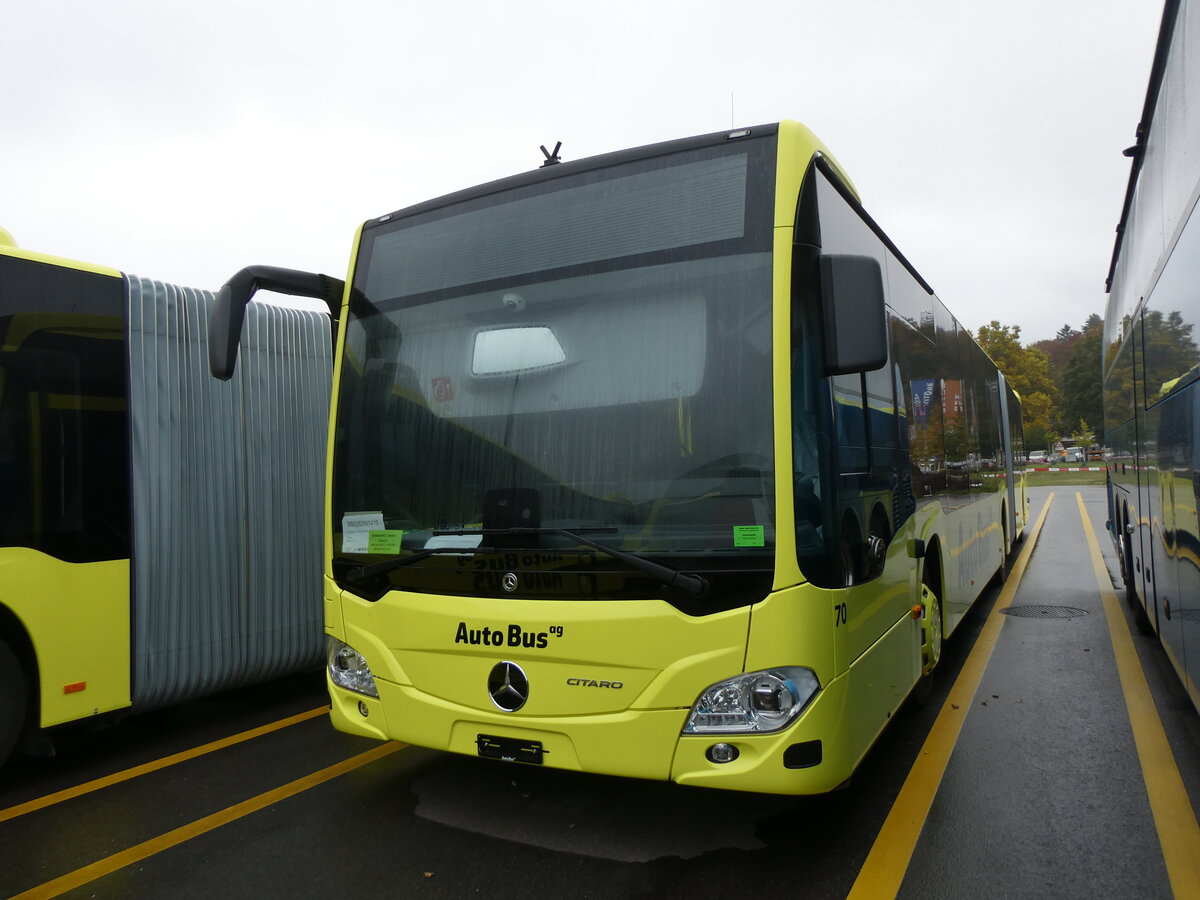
(612, 693)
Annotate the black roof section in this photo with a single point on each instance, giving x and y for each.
(563, 169)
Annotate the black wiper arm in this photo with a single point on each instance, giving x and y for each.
(366, 572)
(363, 573)
(694, 585)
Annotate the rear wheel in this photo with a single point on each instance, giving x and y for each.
(1139, 612)
(1002, 572)
(13, 698)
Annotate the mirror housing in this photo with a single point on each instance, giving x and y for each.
(229, 312)
(852, 306)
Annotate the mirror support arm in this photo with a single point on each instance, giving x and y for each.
(225, 322)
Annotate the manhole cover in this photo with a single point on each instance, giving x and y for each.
(1044, 612)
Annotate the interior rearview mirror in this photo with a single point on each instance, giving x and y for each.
(511, 351)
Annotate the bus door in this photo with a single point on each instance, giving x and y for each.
(1145, 509)
(1006, 462)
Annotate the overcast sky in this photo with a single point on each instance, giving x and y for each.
(181, 141)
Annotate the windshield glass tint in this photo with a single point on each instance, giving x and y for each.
(589, 353)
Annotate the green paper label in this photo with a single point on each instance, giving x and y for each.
(748, 536)
(384, 541)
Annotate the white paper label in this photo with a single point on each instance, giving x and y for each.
(357, 528)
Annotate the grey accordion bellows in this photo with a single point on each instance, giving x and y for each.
(227, 495)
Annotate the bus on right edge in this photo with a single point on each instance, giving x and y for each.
(1150, 364)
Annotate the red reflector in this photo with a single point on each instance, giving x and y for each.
(74, 688)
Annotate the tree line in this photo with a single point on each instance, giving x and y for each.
(1060, 381)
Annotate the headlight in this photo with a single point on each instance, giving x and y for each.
(349, 670)
(753, 703)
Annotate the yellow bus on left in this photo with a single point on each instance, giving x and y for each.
(160, 531)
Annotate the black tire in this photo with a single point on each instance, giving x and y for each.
(13, 700)
(849, 564)
(1005, 552)
(1139, 612)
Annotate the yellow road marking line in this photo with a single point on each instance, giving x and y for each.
(79, 790)
(1174, 818)
(141, 851)
(883, 871)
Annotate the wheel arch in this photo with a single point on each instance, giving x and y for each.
(16, 637)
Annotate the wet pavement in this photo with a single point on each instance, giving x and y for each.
(1043, 794)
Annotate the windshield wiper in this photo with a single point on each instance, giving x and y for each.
(366, 572)
(363, 573)
(693, 585)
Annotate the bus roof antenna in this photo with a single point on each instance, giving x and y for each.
(552, 159)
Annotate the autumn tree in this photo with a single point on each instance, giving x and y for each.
(1028, 372)
(1082, 394)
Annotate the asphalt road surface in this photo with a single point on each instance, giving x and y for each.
(1028, 774)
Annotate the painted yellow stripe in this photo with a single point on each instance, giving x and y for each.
(146, 849)
(1178, 832)
(883, 871)
(79, 790)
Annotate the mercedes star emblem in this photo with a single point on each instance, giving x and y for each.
(507, 686)
(510, 581)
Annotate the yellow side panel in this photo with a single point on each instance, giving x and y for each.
(77, 616)
(796, 627)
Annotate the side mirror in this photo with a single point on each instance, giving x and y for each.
(225, 331)
(229, 312)
(852, 304)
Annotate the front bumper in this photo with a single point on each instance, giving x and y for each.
(632, 743)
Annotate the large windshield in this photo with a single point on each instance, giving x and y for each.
(589, 354)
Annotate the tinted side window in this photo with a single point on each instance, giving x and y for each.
(870, 468)
(64, 444)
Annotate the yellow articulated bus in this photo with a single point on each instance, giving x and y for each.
(664, 463)
(159, 530)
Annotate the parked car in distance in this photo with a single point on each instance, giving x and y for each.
(1037, 456)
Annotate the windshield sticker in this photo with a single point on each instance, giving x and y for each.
(386, 540)
(748, 536)
(357, 528)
